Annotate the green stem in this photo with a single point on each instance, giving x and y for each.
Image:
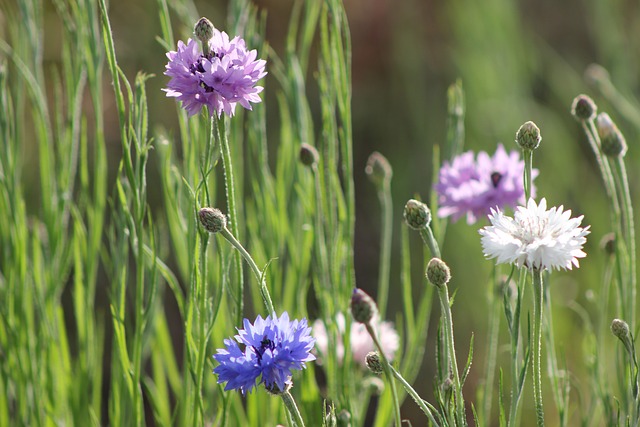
(231, 208)
(387, 372)
(494, 328)
(443, 292)
(516, 386)
(430, 241)
(537, 344)
(622, 183)
(291, 406)
(264, 291)
(386, 204)
(528, 161)
(415, 396)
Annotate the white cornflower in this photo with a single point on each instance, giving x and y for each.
(535, 237)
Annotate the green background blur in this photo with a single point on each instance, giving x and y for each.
(517, 60)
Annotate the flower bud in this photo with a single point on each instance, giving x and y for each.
(212, 219)
(596, 75)
(417, 215)
(528, 136)
(204, 30)
(620, 329)
(344, 418)
(438, 272)
(374, 363)
(583, 108)
(612, 140)
(308, 154)
(363, 307)
(378, 169)
(608, 243)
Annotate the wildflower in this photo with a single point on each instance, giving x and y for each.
(471, 187)
(221, 77)
(267, 349)
(535, 237)
(360, 340)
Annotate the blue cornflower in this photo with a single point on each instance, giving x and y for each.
(267, 349)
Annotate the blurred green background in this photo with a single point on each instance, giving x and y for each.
(517, 60)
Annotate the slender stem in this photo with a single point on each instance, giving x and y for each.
(231, 208)
(516, 386)
(386, 204)
(387, 372)
(622, 182)
(264, 291)
(429, 239)
(424, 405)
(443, 292)
(291, 406)
(494, 329)
(528, 161)
(537, 344)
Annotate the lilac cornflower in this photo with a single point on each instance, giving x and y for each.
(267, 349)
(471, 187)
(219, 80)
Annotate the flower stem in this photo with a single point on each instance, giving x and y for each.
(231, 208)
(424, 405)
(386, 203)
(537, 342)
(291, 406)
(514, 327)
(494, 329)
(430, 241)
(264, 291)
(443, 292)
(528, 162)
(388, 373)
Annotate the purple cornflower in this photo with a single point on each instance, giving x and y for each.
(269, 349)
(222, 78)
(471, 187)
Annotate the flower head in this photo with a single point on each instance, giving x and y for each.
(471, 187)
(219, 79)
(360, 340)
(535, 237)
(267, 349)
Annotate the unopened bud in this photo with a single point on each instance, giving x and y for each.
(438, 272)
(612, 140)
(374, 363)
(583, 108)
(417, 215)
(344, 418)
(363, 307)
(308, 154)
(608, 243)
(528, 136)
(378, 169)
(212, 219)
(620, 329)
(204, 30)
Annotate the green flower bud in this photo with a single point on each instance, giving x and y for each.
(378, 169)
(620, 329)
(204, 30)
(583, 108)
(417, 215)
(308, 154)
(363, 307)
(608, 243)
(344, 418)
(438, 272)
(528, 136)
(612, 140)
(372, 359)
(212, 219)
